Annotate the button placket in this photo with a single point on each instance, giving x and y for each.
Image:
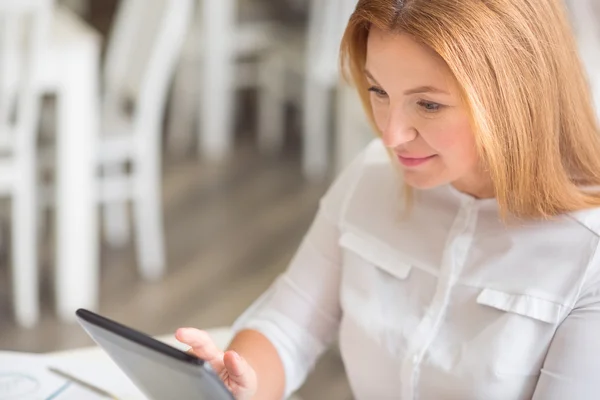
(457, 246)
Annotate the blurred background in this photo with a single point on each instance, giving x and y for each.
(160, 160)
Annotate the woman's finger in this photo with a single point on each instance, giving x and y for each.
(240, 372)
(201, 344)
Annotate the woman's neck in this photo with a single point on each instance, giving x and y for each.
(480, 187)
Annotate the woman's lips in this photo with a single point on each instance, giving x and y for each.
(414, 161)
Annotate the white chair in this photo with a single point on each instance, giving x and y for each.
(302, 67)
(310, 58)
(327, 21)
(23, 28)
(125, 156)
(220, 57)
(143, 49)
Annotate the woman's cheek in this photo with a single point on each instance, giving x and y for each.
(450, 137)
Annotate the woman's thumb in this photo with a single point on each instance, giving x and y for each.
(240, 372)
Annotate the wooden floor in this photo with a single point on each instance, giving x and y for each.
(230, 230)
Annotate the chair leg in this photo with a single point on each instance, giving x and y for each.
(24, 247)
(271, 116)
(115, 214)
(316, 127)
(182, 113)
(44, 191)
(148, 217)
(217, 104)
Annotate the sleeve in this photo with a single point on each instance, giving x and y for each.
(300, 312)
(572, 364)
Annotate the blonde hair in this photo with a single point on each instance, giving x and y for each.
(517, 65)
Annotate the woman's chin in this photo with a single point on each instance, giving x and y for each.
(422, 181)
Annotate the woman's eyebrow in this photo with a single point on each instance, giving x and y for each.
(425, 89)
(370, 76)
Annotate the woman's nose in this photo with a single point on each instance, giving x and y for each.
(398, 131)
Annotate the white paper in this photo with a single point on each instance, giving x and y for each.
(104, 375)
(26, 377)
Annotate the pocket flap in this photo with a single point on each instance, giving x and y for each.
(532, 307)
(376, 253)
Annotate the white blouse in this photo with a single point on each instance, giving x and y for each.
(444, 302)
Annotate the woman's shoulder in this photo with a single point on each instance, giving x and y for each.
(588, 219)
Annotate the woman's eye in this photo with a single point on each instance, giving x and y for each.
(378, 91)
(429, 106)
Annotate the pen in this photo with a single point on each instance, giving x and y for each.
(78, 381)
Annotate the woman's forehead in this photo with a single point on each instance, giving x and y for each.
(399, 57)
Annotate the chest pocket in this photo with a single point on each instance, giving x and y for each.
(377, 291)
(521, 330)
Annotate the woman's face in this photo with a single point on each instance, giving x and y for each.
(419, 111)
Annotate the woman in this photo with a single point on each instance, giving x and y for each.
(456, 258)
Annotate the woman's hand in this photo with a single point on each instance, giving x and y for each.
(234, 371)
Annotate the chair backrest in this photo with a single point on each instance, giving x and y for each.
(23, 27)
(143, 48)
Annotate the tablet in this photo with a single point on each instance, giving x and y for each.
(160, 371)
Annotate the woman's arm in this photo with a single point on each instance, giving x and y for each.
(262, 356)
(283, 333)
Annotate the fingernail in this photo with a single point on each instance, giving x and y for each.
(236, 356)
